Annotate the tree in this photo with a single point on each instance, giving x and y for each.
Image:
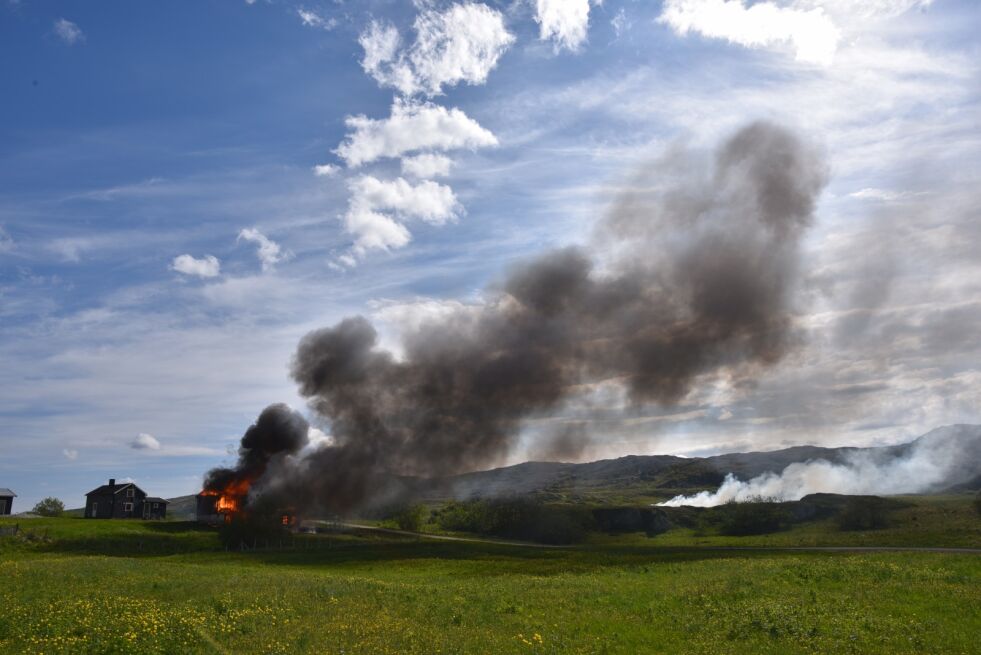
(49, 507)
(412, 518)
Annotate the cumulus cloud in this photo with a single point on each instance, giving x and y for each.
(325, 170)
(460, 44)
(432, 202)
(378, 207)
(426, 165)
(811, 32)
(144, 441)
(207, 266)
(68, 31)
(269, 252)
(313, 19)
(563, 21)
(411, 127)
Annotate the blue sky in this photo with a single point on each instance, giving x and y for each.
(166, 235)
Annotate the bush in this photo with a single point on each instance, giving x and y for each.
(49, 507)
(412, 517)
(516, 518)
(742, 519)
(864, 513)
(250, 532)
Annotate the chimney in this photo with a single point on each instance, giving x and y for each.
(112, 482)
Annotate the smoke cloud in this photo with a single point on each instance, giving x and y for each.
(278, 432)
(691, 275)
(943, 457)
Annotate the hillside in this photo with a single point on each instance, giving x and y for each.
(643, 478)
(640, 477)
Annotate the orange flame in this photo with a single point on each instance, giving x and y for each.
(230, 498)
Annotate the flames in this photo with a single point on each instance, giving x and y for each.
(230, 498)
(229, 502)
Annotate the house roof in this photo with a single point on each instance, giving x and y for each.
(150, 499)
(105, 489)
(7, 493)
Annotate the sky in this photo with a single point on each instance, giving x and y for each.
(188, 188)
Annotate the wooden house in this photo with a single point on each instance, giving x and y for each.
(6, 501)
(123, 501)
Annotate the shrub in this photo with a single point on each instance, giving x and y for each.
(864, 513)
(49, 507)
(517, 518)
(758, 517)
(250, 532)
(412, 517)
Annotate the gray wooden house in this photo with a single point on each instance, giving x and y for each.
(123, 501)
(6, 501)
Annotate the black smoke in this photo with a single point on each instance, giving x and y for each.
(691, 275)
(279, 431)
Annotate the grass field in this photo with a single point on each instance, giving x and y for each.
(133, 587)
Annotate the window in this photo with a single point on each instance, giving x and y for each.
(129, 492)
(128, 507)
(156, 505)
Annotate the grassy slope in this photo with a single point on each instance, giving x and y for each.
(383, 595)
(929, 521)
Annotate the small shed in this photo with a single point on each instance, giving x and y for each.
(6, 501)
(154, 508)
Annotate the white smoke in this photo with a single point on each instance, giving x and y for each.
(944, 457)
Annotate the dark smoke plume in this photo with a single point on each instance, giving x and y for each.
(279, 431)
(691, 274)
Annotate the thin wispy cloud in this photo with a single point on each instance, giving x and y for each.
(269, 252)
(68, 32)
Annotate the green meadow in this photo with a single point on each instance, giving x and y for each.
(81, 586)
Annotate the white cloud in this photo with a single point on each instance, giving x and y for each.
(70, 454)
(858, 9)
(410, 128)
(270, 253)
(371, 198)
(460, 44)
(427, 165)
(68, 31)
(885, 195)
(434, 203)
(764, 24)
(313, 19)
(144, 441)
(620, 23)
(208, 266)
(325, 170)
(372, 231)
(564, 21)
